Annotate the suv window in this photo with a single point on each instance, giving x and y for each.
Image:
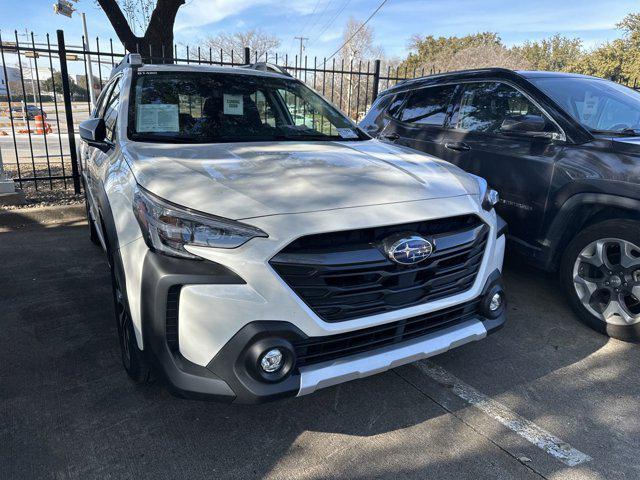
(428, 106)
(484, 106)
(111, 110)
(98, 112)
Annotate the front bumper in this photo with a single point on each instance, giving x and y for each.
(226, 376)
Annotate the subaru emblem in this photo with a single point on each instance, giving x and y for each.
(408, 250)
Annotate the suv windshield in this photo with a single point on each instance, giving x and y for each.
(202, 107)
(599, 105)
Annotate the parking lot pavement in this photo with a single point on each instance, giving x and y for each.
(493, 409)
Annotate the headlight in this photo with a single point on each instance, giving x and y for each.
(168, 228)
(488, 196)
(491, 199)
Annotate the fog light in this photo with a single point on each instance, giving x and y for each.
(496, 302)
(272, 361)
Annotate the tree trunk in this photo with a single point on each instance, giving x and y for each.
(156, 46)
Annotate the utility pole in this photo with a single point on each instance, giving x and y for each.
(65, 7)
(302, 40)
(92, 94)
(31, 75)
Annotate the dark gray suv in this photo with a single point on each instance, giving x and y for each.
(563, 150)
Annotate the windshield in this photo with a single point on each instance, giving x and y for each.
(599, 105)
(202, 107)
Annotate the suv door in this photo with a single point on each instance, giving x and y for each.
(517, 164)
(418, 121)
(95, 158)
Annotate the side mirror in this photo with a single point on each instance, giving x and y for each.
(523, 124)
(94, 133)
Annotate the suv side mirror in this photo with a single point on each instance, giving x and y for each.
(94, 133)
(523, 124)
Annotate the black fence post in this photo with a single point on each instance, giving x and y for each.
(247, 56)
(376, 80)
(66, 95)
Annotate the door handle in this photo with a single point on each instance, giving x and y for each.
(457, 146)
(391, 136)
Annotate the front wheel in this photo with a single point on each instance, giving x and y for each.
(600, 273)
(133, 358)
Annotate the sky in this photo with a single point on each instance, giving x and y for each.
(323, 20)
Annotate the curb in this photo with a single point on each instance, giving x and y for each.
(41, 216)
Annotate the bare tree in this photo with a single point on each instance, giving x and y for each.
(157, 41)
(138, 13)
(359, 51)
(260, 43)
(483, 56)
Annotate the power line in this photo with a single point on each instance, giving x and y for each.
(331, 20)
(302, 31)
(319, 16)
(356, 32)
(306, 24)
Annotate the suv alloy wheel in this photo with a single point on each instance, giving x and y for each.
(601, 275)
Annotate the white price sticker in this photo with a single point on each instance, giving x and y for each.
(161, 117)
(347, 133)
(233, 104)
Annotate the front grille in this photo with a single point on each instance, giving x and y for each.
(322, 349)
(346, 275)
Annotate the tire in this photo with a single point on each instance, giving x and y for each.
(600, 274)
(93, 233)
(133, 359)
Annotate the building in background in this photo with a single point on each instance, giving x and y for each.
(13, 78)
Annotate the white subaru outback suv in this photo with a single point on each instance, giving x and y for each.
(262, 246)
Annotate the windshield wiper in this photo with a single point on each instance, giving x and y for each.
(628, 132)
(314, 137)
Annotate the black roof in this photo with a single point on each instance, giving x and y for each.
(478, 73)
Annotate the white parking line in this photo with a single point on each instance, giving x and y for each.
(523, 427)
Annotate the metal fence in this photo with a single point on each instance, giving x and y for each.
(44, 95)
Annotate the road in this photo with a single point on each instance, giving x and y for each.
(545, 397)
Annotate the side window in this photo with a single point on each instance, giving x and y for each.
(428, 106)
(111, 111)
(264, 107)
(98, 112)
(394, 107)
(484, 106)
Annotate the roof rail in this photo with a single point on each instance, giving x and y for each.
(130, 60)
(267, 67)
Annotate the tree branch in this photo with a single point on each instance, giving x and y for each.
(119, 23)
(162, 19)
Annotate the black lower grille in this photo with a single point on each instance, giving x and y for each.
(322, 349)
(171, 317)
(346, 275)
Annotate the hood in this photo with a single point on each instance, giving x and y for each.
(245, 180)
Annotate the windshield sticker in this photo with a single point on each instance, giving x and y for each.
(590, 106)
(233, 104)
(158, 118)
(347, 133)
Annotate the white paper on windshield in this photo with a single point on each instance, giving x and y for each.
(158, 117)
(233, 104)
(590, 106)
(347, 133)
